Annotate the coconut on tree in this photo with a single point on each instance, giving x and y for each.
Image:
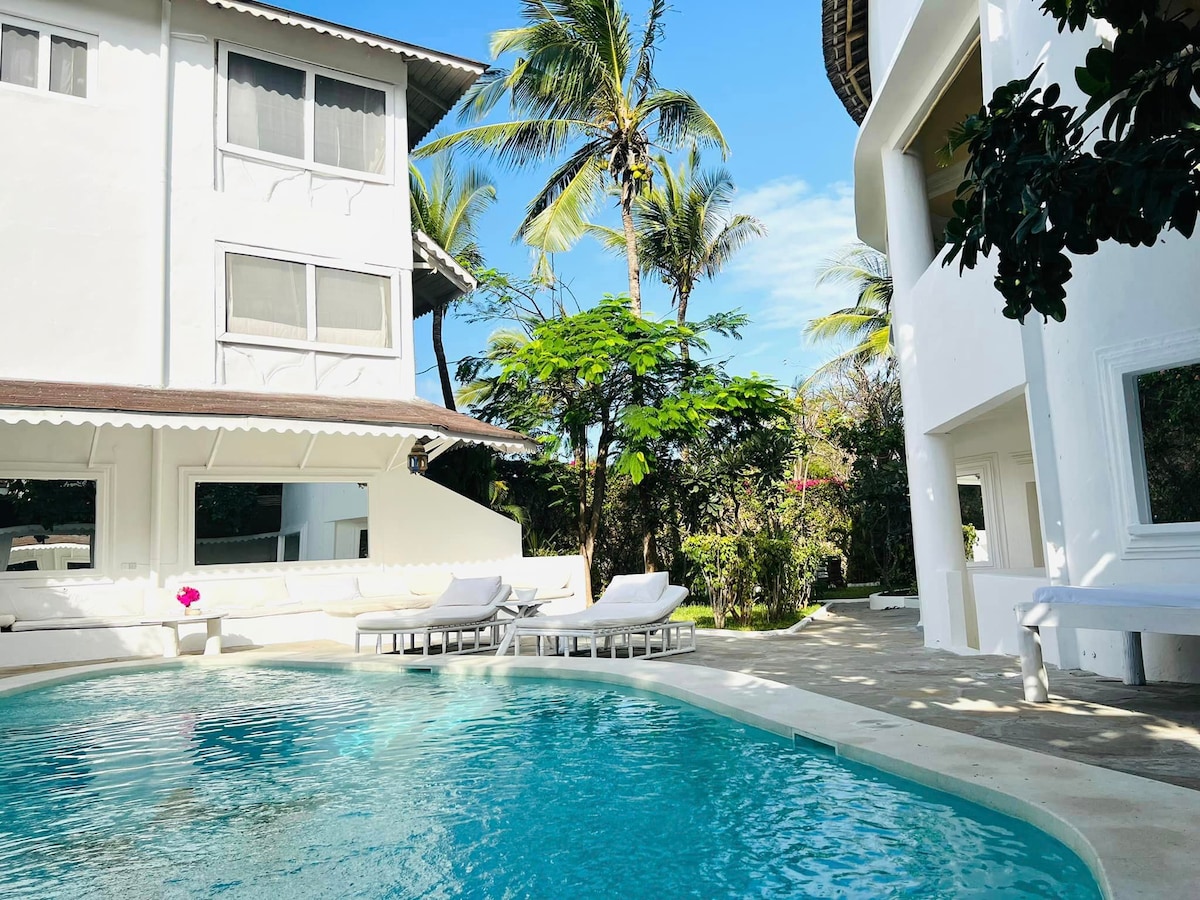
(582, 91)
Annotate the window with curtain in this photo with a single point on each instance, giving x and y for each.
(353, 308)
(266, 106)
(266, 297)
(305, 113)
(299, 301)
(43, 57)
(350, 125)
(19, 48)
(68, 66)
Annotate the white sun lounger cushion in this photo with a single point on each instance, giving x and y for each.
(469, 592)
(432, 617)
(604, 614)
(1177, 595)
(646, 588)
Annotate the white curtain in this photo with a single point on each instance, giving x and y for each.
(266, 106)
(266, 297)
(68, 66)
(19, 56)
(351, 126)
(353, 308)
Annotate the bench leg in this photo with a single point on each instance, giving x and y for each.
(1033, 667)
(170, 640)
(213, 643)
(1135, 666)
(357, 640)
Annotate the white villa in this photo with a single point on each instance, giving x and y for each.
(209, 285)
(1045, 422)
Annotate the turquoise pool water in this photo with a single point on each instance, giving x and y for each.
(281, 783)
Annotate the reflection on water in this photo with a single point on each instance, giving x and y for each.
(281, 783)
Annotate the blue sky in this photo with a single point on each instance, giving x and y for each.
(756, 66)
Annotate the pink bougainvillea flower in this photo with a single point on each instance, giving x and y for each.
(187, 596)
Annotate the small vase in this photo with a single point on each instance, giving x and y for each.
(191, 611)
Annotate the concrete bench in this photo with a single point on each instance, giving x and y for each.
(1131, 609)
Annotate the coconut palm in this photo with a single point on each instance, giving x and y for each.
(868, 322)
(447, 208)
(583, 87)
(685, 230)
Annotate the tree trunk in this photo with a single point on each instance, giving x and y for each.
(650, 559)
(684, 351)
(439, 351)
(631, 251)
(591, 513)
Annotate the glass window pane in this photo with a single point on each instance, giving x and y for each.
(47, 525)
(266, 106)
(1170, 411)
(353, 308)
(266, 297)
(18, 56)
(68, 66)
(970, 505)
(351, 128)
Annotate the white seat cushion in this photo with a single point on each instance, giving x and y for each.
(635, 588)
(321, 589)
(7, 621)
(469, 592)
(610, 615)
(433, 617)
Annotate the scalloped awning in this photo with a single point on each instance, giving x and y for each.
(63, 403)
(436, 80)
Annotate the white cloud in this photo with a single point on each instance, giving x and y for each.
(805, 229)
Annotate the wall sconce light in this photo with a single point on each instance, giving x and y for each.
(418, 459)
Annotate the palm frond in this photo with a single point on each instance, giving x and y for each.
(559, 215)
(682, 121)
(512, 143)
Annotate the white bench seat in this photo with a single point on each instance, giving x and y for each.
(1130, 609)
(62, 624)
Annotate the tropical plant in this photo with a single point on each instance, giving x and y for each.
(868, 323)
(685, 229)
(605, 386)
(583, 86)
(1039, 186)
(725, 567)
(447, 208)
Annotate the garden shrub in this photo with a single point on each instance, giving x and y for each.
(726, 567)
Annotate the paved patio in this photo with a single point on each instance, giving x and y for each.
(877, 660)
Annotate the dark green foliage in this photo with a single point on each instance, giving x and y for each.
(47, 502)
(1035, 192)
(1170, 414)
(228, 509)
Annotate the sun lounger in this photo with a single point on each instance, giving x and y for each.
(468, 606)
(633, 606)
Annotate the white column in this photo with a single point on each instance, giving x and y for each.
(932, 479)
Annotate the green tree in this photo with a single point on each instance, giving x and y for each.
(1037, 188)
(610, 389)
(685, 228)
(868, 323)
(583, 86)
(447, 207)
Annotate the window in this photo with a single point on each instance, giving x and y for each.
(298, 301)
(42, 58)
(279, 108)
(239, 523)
(1169, 410)
(47, 524)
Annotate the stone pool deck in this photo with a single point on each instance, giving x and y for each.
(877, 660)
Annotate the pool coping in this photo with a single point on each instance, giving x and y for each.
(1139, 837)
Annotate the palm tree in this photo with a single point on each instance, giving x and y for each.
(685, 231)
(582, 86)
(868, 323)
(447, 209)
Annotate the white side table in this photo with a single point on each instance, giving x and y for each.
(519, 608)
(170, 632)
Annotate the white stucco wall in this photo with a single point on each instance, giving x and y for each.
(889, 19)
(1123, 303)
(81, 279)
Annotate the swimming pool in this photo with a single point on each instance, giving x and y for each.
(247, 782)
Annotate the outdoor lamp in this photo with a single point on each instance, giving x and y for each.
(418, 459)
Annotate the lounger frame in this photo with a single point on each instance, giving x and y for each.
(657, 638)
(460, 630)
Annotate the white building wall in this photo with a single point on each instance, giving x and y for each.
(889, 20)
(1131, 305)
(81, 229)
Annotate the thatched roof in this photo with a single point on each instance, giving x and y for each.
(844, 39)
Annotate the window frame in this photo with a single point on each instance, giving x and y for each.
(311, 263)
(311, 71)
(105, 525)
(986, 467)
(1119, 368)
(46, 31)
(189, 477)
